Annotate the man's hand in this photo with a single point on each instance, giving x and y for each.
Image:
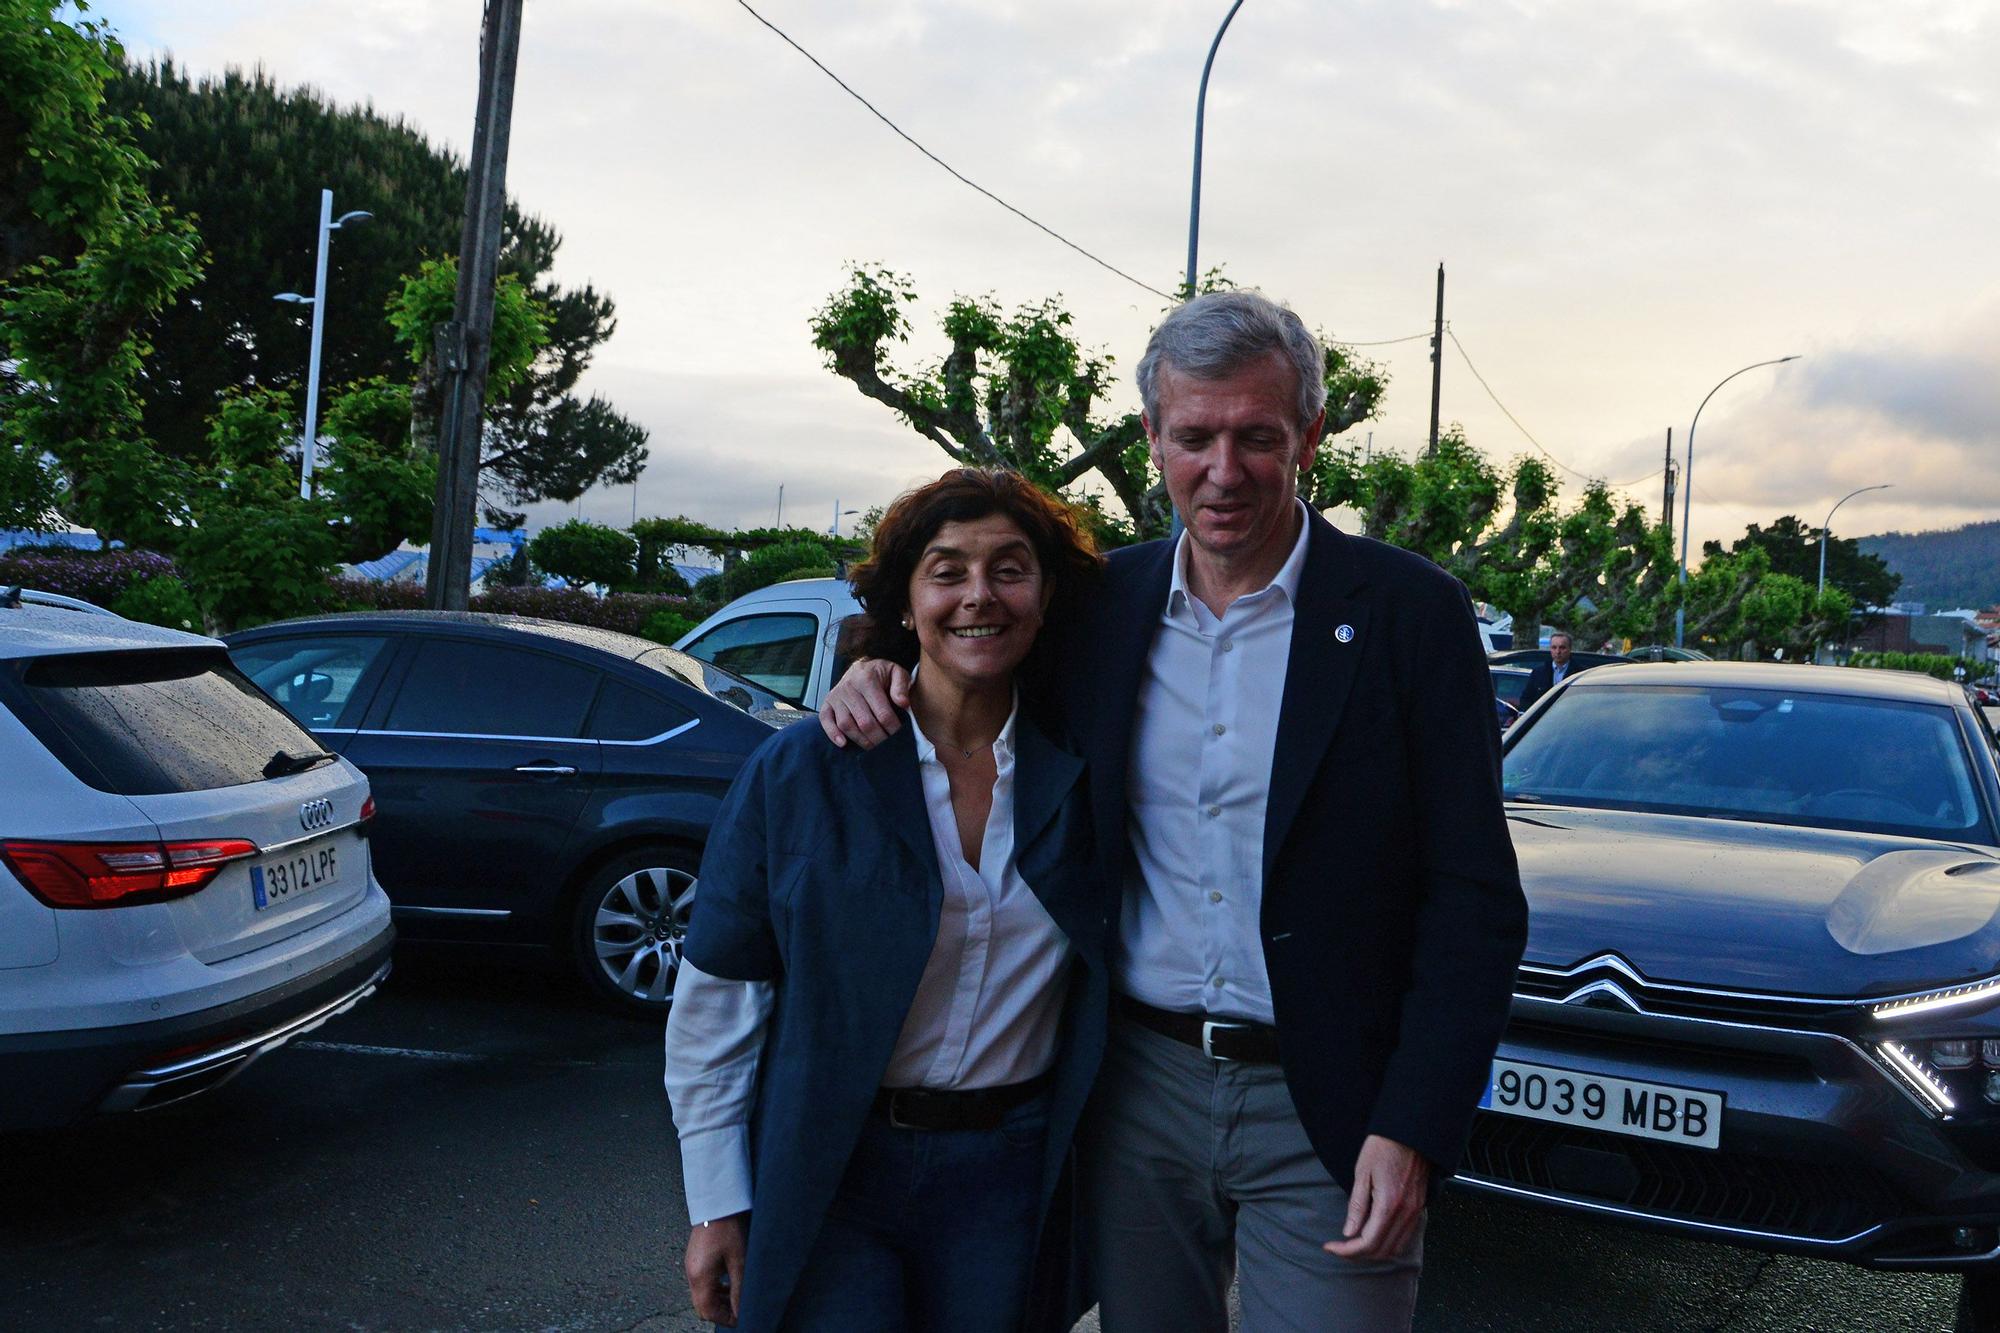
(862, 707)
(1387, 1203)
(714, 1266)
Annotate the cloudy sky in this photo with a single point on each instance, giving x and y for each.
(1632, 200)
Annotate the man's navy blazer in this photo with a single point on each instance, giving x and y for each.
(1392, 912)
(822, 875)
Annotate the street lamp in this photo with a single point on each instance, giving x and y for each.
(1825, 528)
(328, 224)
(1687, 498)
(1200, 113)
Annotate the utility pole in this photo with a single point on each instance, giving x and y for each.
(1667, 508)
(464, 346)
(1437, 360)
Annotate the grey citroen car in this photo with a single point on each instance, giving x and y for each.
(1761, 996)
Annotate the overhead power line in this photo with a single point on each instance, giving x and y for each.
(959, 175)
(1525, 434)
(1379, 342)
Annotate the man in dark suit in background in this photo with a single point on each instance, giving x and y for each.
(1294, 770)
(1547, 675)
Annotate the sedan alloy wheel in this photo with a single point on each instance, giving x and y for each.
(632, 920)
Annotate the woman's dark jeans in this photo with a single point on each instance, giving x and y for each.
(931, 1230)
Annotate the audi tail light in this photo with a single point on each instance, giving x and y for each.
(119, 874)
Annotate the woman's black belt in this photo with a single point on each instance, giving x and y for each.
(955, 1108)
(1216, 1038)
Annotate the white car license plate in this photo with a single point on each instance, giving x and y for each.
(1616, 1105)
(280, 878)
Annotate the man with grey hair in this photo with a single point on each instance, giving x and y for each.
(1294, 769)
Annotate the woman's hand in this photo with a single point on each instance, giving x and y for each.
(862, 706)
(714, 1266)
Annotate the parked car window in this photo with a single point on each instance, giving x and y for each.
(625, 713)
(775, 651)
(485, 689)
(1821, 760)
(313, 679)
(149, 723)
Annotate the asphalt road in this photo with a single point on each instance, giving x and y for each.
(477, 1147)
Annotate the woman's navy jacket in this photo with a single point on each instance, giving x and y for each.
(821, 876)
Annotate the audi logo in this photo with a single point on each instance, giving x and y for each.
(316, 814)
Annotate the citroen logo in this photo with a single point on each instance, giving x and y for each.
(316, 814)
(1604, 995)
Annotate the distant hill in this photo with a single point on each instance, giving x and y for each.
(1952, 567)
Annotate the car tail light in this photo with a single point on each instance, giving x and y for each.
(119, 874)
(367, 814)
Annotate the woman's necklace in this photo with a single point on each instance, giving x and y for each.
(954, 745)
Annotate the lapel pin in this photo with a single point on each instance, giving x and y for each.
(1344, 633)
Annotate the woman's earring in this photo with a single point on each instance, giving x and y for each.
(907, 624)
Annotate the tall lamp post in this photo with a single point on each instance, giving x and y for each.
(1826, 531)
(328, 224)
(1200, 114)
(1687, 496)
(1194, 193)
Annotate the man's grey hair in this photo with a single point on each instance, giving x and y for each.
(1218, 333)
(1555, 634)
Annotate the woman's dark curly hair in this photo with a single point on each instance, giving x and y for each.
(1063, 547)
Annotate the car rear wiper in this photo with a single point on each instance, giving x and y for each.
(286, 762)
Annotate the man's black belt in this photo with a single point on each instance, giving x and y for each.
(1216, 1038)
(955, 1108)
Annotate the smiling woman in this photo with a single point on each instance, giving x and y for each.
(894, 977)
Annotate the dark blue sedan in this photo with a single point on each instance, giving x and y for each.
(1761, 996)
(536, 784)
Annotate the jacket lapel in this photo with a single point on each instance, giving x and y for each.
(1043, 776)
(891, 771)
(1117, 635)
(1319, 674)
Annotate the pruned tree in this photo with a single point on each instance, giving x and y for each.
(1019, 391)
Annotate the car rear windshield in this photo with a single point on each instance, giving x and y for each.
(148, 723)
(1817, 760)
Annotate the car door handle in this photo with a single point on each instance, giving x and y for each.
(559, 770)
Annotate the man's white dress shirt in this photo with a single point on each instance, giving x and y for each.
(987, 1011)
(1189, 938)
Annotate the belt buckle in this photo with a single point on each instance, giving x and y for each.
(1208, 1027)
(896, 1120)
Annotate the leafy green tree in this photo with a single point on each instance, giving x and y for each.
(580, 552)
(775, 564)
(252, 549)
(1794, 549)
(87, 260)
(1017, 390)
(250, 158)
(1736, 602)
(383, 483)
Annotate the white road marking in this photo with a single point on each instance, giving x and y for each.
(403, 1052)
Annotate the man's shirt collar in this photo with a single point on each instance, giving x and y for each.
(1286, 580)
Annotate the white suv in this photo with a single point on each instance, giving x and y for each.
(184, 874)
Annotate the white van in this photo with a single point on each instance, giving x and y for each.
(785, 637)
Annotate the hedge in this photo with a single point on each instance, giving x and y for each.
(1929, 664)
(95, 576)
(104, 577)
